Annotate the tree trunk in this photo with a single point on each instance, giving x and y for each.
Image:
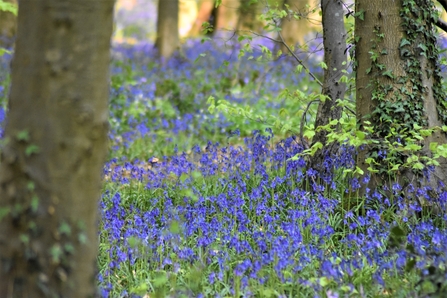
(248, 13)
(204, 14)
(227, 18)
(167, 27)
(334, 42)
(398, 83)
(56, 132)
(8, 24)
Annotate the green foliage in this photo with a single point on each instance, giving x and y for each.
(397, 128)
(6, 6)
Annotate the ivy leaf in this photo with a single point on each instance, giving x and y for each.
(423, 47)
(31, 149)
(418, 166)
(404, 42)
(360, 14)
(23, 135)
(433, 146)
(388, 73)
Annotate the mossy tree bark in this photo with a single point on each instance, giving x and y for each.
(167, 27)
(334, 42)
(56, 142)
(398, 84)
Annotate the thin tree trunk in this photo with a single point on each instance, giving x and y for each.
(334, 41)
(167, 27)
(56, 132)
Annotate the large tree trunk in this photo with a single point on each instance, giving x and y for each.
(8, 24)
(398, 81)
(334, 41)
(56, 132)
(167, 27)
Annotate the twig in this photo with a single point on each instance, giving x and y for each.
(290, 51)
(302, 122)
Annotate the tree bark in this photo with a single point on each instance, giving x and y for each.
(8, 27)
(167, 28)
(398, 82)
(335, 57)
(56, 132)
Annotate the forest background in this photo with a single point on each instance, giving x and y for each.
(243, 162)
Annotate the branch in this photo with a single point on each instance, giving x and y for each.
(441, 24)
(299, 60)
(281, 41)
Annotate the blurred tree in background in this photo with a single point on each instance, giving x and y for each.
(167, 27)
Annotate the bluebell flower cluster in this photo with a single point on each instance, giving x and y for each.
(244, 214)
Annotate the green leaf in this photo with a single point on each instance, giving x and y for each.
(31, 149)
(388, 73)
(23, 136)
(4, 51)
(65, 229)
(418, 166)
(56, 252)
(404, 42)
(433, 146)
(360, 135)
(360, 14)
(34, 203)
(309, 134)
(6, 6)
(324, 281)
(359, 171)
(283, 112)
(323, 65)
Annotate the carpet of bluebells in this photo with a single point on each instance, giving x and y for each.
(205, 205)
